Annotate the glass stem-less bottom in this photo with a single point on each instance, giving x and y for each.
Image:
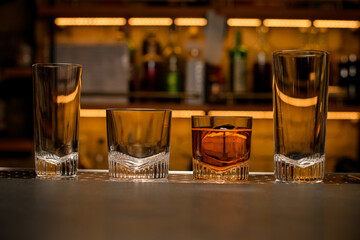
(203, 171)
(50, 165)
(127, 167)
(309, 169)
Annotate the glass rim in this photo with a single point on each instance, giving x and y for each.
(53, 65)
(301, 53)
(137, 110)
(206, 116)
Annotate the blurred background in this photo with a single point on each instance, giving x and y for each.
(197, 57)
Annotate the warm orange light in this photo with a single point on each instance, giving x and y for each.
(344, 115)
(150, 21)
(297, 102)
(336, 24)
(187, 113)
(90, 21)
(243, 22)
(68, 98)
(92, 113)
(200, 22)
(175, 113)
(287, 23)
(269, 114)
(254, 114)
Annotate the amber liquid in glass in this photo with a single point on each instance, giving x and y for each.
(221, 154)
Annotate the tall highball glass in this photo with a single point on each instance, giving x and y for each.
(300, 98)
(56, 89)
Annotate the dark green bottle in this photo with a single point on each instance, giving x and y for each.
(173, 64)
(238, 59)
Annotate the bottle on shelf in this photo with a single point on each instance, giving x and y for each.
(214, 36)
(123, 59)
(195, 71)
(238, 62)
(173, 79)
(262, 65)
(214, 84)
(349, 77)
(344, 71)
(134, 84)
(152, 64)
(354, 77)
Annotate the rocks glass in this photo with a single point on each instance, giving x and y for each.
(138, 143)
(221, 147)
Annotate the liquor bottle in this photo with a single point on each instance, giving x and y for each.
(134, 84)
(123, 61)
(214, 35)
(353, 76)
(173, 64)
(195, 70)
(214, 84)
(344, 71)
(238, 56)
(195, 77)
(262, 66)
(151, 64)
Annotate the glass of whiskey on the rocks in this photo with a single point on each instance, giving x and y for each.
(221, 147)
(138, 143)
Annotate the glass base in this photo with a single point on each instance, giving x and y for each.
(202, 171)
(50, 165)
(306, 170)
(122, 166)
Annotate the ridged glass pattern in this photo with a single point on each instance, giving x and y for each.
(127, 167)
(309, 169)
(202, 171)
(50, 165)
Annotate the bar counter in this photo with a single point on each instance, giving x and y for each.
(92, 206)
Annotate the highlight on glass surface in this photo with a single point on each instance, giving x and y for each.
(56, 89)
(221, 147)
(300, 91)
(138, 143)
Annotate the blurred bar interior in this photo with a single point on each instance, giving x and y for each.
(197, 57)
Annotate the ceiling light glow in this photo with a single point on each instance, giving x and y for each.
(150, 21)
(90, 21)
(287, 23)
(244, 22)
(200, 22)
(336, 24)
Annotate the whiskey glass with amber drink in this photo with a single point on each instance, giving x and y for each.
(221, 147)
